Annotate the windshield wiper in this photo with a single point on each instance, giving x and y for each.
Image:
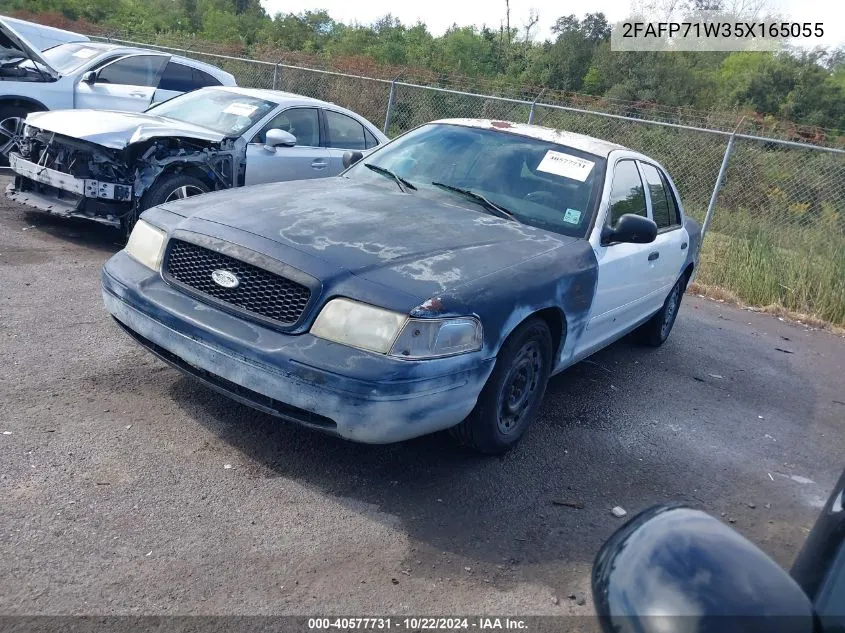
(386, 172)
(494, 208)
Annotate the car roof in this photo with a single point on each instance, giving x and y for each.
(290, 98)
(580, 142)
(279, 96)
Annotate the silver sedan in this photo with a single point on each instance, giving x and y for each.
(109, 166)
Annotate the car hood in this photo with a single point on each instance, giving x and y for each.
(12, 42)
(116, 130)
(418, 243)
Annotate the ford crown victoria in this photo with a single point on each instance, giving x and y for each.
(436, 284)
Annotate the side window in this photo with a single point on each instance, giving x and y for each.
(177, 77)
(203, 79)
(674, 212)
(626, 193)
(659, 203)
(303, 123)
(139, 70)
(345, 132)
(370, 139)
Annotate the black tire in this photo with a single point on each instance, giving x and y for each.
(656, 330)
(9, 113)
(165, 189)
(508, 403)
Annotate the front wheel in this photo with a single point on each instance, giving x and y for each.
(656, 330)
(168, 189)
(508, 403)
(11, 128)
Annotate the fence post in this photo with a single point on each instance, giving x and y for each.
(390, 101)
(710, 207)
(533, 103)
(275, 74)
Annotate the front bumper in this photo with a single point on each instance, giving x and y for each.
(357, 395)
(86, 187)
(63, 194)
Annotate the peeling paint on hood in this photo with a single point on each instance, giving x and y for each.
(418, 243)
(116, 130)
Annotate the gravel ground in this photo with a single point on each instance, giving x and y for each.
(129, 489)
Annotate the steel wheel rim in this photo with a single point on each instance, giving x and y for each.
(520, 388)
(185, 191)
(671, 308)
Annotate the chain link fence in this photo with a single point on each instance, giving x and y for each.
(774, 208)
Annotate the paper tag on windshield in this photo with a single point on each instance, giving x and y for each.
(572, 216)
(85, 53)
(240, 109)
(565, 165)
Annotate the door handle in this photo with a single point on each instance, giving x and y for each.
(137, 94)
(653, 256)
(684, 246)
(319, 163)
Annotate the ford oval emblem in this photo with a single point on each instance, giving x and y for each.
(225, 278)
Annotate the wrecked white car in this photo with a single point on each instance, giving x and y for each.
(83, 74)
(110, 166)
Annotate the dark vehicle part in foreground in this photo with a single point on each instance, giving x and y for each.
(110, 166)
(673, 569)
(437, 284)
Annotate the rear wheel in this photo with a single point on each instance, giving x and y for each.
(508, 403)
(11, 128)
(656, 330)
(171, 188)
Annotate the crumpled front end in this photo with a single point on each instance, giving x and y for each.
(66, 176)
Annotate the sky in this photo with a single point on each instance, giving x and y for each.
(439, 15)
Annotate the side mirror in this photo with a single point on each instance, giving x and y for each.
(276, 137)
(673, 569)
(631, 228)
(351, 157)
(90, 77)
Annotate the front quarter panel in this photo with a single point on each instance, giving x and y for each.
(562, 281)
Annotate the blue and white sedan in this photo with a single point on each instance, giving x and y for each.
(436, 284)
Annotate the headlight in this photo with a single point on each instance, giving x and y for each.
(146, 244)
(383, 331)
(358, 325)
(432, 338)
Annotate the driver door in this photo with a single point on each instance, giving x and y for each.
(127, 84)
(306, 160)
(629, 283)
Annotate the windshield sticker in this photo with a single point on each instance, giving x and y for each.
(572, 216)
(565, 165)
(85, 53)
(240, 109)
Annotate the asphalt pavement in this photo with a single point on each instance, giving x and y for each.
(129, 489)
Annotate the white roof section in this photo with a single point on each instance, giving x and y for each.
(292, 99)
(277, 96)
(580, 142)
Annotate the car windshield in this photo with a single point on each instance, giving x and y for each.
(228, 113)
(535, 182)
(66, 58)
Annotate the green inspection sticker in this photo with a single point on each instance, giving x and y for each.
(572, 216)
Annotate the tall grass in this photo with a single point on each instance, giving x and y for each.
(799, 268)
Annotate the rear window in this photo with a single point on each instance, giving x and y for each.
(182, 78)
